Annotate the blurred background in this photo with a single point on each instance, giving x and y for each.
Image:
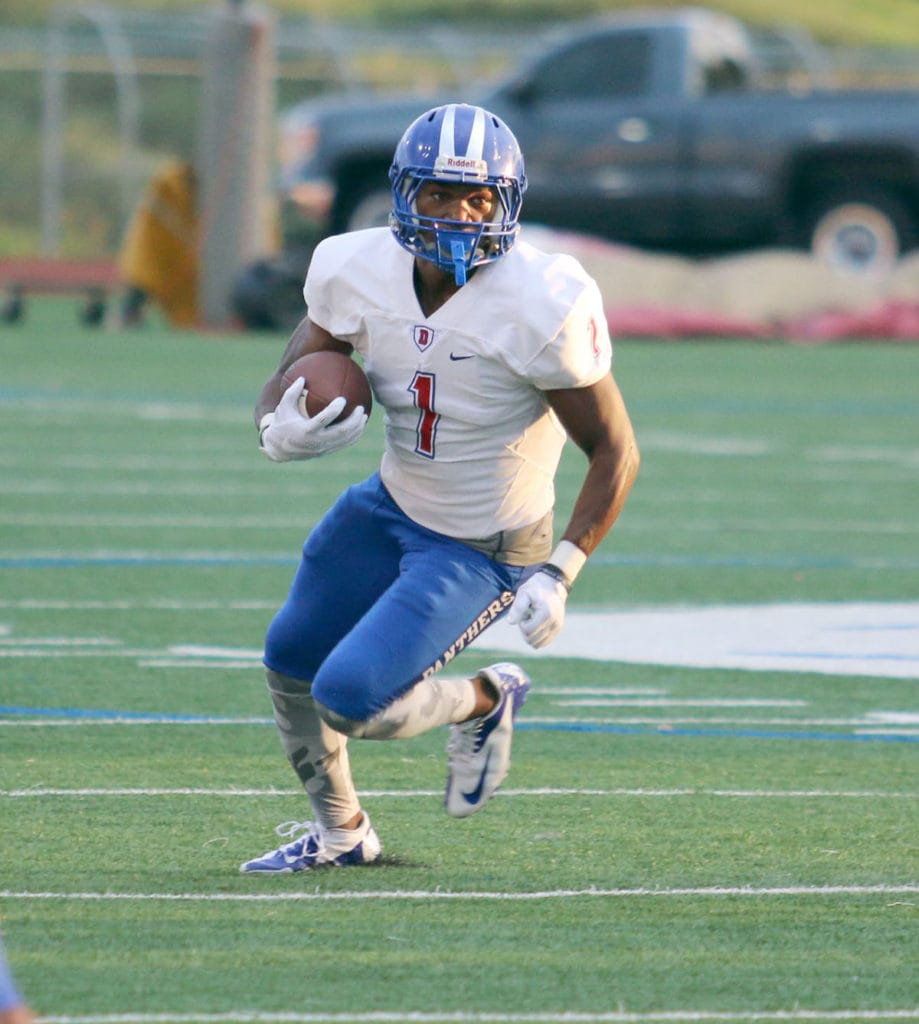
(96, 98)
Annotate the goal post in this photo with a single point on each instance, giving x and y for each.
(234, 152)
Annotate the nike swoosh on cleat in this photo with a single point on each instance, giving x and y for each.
(455, 358)
(475, 795)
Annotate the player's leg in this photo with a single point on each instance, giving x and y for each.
(321, 605)
(348, 561)
(316, 752)
(445, 595)
(339, 833)
(379, 681)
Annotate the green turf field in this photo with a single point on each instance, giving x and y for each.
(680, 838)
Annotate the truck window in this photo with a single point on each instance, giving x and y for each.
(615, 65)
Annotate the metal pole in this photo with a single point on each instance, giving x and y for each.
(234, 151)
(52, 141)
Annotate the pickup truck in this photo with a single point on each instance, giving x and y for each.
(652, 129)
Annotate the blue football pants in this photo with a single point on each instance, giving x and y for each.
(380, 602)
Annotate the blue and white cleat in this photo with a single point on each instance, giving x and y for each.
(479, 751)
(315, 847)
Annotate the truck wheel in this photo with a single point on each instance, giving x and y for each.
(860, 233)
(365, 205)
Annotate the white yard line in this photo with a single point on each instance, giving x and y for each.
(459, 1017)
(672, 702)
(411, 895)
(865, 726)
(747, 794)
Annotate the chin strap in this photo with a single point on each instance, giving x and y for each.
(458, 255)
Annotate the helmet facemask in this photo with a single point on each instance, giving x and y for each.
(427, 153)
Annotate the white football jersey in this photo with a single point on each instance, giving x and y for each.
(472, 446)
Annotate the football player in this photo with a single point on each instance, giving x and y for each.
(485, 354)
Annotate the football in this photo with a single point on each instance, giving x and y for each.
(329, 375)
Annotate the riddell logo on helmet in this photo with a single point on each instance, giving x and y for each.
(461, 165)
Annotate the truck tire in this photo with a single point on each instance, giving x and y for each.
(860, 232)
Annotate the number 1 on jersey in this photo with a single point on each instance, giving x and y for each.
(422, 389)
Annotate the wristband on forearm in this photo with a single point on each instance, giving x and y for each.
(564, 564)
(548, 569)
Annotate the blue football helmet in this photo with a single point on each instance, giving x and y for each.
(468, 145)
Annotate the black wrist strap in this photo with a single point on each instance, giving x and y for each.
(553, 570)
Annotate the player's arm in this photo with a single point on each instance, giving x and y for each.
(596, 419)
(306, 337)
(284, 433)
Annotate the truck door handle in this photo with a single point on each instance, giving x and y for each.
(634, 129)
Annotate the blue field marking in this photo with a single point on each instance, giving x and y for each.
(99, 714)
(640, 561)
(756, 734)
(70, 561)
(839, 655)
(740, 561)
(102, 714)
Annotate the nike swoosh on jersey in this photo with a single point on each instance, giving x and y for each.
(455, 358)
(475, 795)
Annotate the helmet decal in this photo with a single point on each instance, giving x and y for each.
(469, 162)
(463, 144)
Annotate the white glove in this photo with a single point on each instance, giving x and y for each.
(539, 607)
(287, 434)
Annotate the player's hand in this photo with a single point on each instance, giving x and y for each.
(539, 608)
(287, 434)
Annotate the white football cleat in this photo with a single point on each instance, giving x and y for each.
(315, 847)
(479, 751)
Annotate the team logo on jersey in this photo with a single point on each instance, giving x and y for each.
(422, 336)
